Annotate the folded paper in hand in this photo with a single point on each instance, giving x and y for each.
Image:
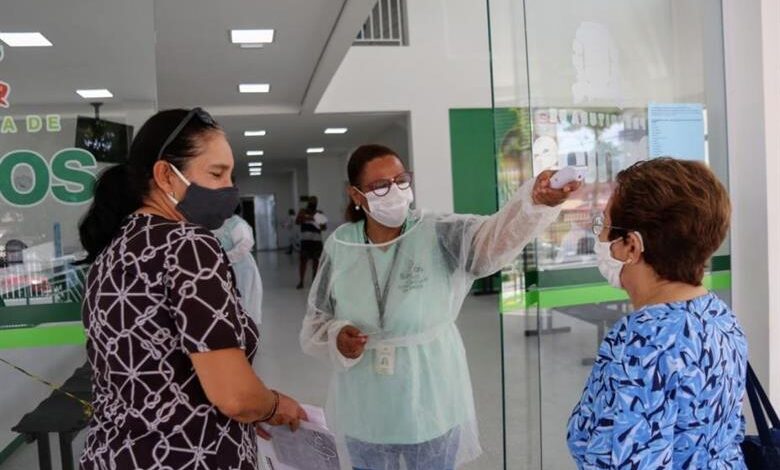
(312, 447)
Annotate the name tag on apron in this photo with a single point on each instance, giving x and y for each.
(384, 362)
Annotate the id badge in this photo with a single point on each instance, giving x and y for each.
(384, 362)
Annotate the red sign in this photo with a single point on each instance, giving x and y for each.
(5, 89)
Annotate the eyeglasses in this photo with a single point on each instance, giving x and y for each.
(600, 224)
(204, 117)
(382, 187)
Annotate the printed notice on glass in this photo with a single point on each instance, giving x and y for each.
(676, 130)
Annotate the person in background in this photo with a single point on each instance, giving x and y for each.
(237, 239)
(168, 342)
(666, 389)
(383, 312)
(312, 223)
(289, 227)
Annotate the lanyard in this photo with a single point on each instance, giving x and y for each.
(381, 296)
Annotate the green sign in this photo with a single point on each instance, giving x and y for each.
(69, 177)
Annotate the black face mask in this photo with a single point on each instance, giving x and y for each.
(207, 207)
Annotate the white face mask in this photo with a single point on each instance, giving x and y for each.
(609, 267)
(391, 209)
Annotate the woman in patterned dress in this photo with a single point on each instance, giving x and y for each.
(169, 344)
(666, 389)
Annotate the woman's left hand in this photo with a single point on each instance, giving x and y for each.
(543, 194)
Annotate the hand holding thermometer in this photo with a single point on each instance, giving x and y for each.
(567, 175)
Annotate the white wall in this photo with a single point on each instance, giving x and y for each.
(397, 138)
(446, 65)
(748, 177)
(328, 181)
(770, 28)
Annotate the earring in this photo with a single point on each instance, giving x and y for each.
(357, 207)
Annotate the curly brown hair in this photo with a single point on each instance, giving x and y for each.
(682, 211)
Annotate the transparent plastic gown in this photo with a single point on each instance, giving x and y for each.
(237, 239)
(409, 397)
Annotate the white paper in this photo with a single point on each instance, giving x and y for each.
(676, 130)
(312, 447)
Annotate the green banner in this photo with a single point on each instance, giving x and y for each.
(42, 336)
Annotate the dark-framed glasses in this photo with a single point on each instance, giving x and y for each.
(382, 186)
(198, 112)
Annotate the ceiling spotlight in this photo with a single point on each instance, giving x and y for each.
(25, 40)
(336, 130)
(252, 36)
(254, 88)
(95, 93)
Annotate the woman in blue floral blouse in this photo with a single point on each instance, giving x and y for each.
(666, 389)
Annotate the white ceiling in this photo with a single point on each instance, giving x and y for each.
(177, 53)
(97, 44)
(288, 136)
(197, 64)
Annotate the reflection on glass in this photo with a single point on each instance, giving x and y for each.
(574, 83)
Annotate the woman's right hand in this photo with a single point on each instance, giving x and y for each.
(351, 342)
(289, 412)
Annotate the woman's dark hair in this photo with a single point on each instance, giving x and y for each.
(682, 211)
(120, 190)
(357, 163)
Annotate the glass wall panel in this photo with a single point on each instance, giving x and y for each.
(600, 85)
(53, 143)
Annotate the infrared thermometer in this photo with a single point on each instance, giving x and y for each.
(570, 174)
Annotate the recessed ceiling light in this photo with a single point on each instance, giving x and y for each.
(254, 133)
(315, 150)
(255, 164)
(95, 93)
(254, 88)
(25, 40)
(255, 153)
(255, 173)
(336, 130)
(251, 36)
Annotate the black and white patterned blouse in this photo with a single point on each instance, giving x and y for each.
(160, 291)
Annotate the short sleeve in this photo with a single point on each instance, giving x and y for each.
(201, 293)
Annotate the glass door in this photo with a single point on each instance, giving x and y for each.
(599, 85)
